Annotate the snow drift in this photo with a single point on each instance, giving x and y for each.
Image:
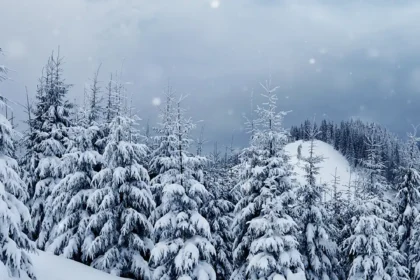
(51, 267)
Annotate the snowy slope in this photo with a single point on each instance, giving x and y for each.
(332, 160)
(50, 267)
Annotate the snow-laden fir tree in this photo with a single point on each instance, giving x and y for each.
(183, 249)
(70, 195)
(374, 168)
(28, 159)
(371, 253)
(369, 250)
(51, 122)
(79, 165)
(407, 203)
(164, 144)
(15, 262)
(266, 245)
(414, 255)
(218, 211)
(319, 252)
(338, 209)
(118, 233)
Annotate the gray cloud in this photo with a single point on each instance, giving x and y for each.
(333, 58)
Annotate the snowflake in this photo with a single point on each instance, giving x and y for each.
(312, 61)
(156, 101)
(215, 4)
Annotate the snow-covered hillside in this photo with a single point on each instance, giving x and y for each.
(50, 267)
(332, 160)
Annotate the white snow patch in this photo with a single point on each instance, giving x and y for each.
(51, 267)
(332, 159)
(297, 276)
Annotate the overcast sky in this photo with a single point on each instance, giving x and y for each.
(335, 59)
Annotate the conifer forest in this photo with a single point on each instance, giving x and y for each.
(93, 185)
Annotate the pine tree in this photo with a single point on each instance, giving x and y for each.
(370, 250)
(28, 160)
(374, 168)
(408, 199)
(183, 249)
(70, 195)
(319, 252)
(164, 149)
(50, 126)
(218, 212)
(265, 233)
(118, 233)
(14, 215)
(79, 165)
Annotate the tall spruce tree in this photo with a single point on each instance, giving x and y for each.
(15, 261)
(266, 243)
(408, 199)
(370, 250)
(50, 128)
(218, 211)
(319, 252)
(118, 233)
(183, 249)
(79, 165)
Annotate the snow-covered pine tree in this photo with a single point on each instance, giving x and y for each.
(118, 233)
(79, 165)
(414, 256)
(183, 249)
(14, 244)
(266, 243)
(319, 252)
(374, 167)
(408, 199)
(164, 148)
(28, 159)
(371, 253)
(51, 122)
(219, 213)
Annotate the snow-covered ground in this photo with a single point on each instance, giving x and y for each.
(50, 267)
(332, 160)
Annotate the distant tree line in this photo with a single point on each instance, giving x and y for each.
(349, 138)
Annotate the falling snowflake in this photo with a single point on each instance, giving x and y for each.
(215, 4)
(312, 61)
(230, 112)
(156, 101)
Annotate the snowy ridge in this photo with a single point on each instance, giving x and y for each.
(332, 159)
(50, 267)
